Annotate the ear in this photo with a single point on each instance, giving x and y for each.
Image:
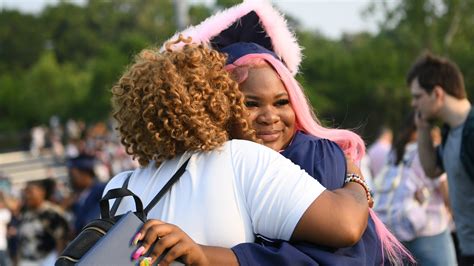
(438, 92)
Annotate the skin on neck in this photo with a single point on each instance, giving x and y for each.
(454, 111)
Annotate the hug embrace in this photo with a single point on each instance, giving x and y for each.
(265, 183)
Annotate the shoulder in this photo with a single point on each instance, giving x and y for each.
(320, 148)
(51, 211)
(468, 132)
(5, 216)
(98, 188)
(255, 159)
(5, 212)
(238, 144)
(245, 148)
(467, 141)
(305, 139)
(323, 159)
(117, 181)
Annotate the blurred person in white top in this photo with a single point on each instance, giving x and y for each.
(5, 217)
(379, 150)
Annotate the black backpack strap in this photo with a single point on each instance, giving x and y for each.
(117, 193)
(117, 201)
(166, 187)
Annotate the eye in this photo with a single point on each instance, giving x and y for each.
(282, 102)
(250, 104)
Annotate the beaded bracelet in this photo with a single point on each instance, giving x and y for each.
(351, 177)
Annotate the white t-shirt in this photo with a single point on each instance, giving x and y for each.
(227, 195)
(5, 217)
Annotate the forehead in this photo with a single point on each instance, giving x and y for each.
(263, 80)
(416, 89)
(34, 187)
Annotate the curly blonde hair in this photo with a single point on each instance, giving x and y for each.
(174, 101)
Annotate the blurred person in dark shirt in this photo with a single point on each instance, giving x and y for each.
(87, 191)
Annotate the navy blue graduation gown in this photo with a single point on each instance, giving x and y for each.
(325, 161)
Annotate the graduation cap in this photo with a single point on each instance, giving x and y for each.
(252, 27)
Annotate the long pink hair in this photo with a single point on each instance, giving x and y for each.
(306, 121)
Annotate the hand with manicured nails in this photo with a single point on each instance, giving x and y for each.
(156, 237)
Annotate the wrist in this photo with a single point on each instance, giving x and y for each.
(205, 258)
(218, 256)
(355, 178)
(424, 125)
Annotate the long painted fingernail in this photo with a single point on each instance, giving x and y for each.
(138, 253)
(136, 238)
(145, 262)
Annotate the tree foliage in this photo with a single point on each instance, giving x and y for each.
(359, 81)
(65, 59)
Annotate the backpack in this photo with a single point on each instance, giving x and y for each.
(88, 245)
(394, 188)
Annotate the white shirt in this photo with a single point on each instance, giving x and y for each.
(5, 216)
(227, 195)
(378, 154)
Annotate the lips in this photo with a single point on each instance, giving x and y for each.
(268, 136)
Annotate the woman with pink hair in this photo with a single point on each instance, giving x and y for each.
(263, 57)
(283, 121)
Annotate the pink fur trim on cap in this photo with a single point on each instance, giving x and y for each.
(283, 40)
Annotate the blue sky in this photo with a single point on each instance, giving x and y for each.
(331, 17)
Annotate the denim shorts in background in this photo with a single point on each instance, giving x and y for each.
(437, 250)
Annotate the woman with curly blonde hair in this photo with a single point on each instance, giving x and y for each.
(172, 102)
(180, 104)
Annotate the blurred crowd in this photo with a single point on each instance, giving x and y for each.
(76, 138)
(39, 220)
(413, 206)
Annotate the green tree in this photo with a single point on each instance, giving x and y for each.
(21, 40)
(443, 27)
(50, 88)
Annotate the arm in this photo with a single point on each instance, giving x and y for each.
(219, 256)
(170, 239)
(444, 189)
(268, 183)
(328, 166)
(426, 149)
(322, 225)
(320, 158)
(9, 202)
(324, 161)
(286, 203)
(5, 213)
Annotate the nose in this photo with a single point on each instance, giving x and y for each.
(413, 103)
(267, 116)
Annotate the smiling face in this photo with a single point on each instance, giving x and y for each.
(267, 101)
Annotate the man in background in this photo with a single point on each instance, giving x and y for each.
(437, 89)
